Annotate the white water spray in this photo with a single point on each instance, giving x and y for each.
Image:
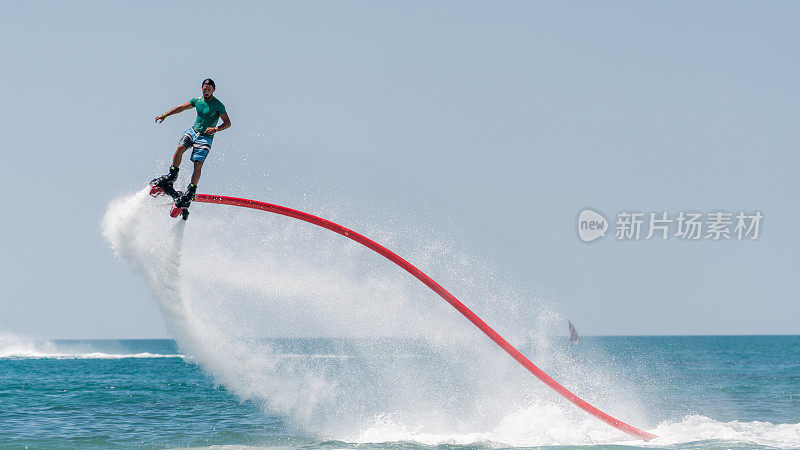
(399, 363)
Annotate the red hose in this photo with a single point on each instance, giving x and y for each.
(428, 281)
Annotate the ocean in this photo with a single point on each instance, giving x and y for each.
(700, 392)
(286, 335)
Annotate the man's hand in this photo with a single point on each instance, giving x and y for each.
(161, 118)
(211, 130)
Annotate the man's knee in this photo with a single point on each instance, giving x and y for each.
(181, 148)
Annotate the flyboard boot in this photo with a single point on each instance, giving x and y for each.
(163, 184)
(182, 202)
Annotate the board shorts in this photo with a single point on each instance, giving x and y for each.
(199, 144)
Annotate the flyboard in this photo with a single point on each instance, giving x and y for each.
(156, 191)
(442, 292)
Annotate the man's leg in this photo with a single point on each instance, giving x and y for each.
(199, 153)
(186, 197)
(198, 167)
(176, 159)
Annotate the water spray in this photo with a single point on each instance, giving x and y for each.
(442, 292)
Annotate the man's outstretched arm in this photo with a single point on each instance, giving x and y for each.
(175, 110)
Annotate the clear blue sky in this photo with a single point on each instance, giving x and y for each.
(489, 124)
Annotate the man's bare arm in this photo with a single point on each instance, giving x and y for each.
(175, 110)
(226, 123)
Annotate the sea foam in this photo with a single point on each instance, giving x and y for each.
(13, 346)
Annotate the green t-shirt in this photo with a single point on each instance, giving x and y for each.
(208, 112)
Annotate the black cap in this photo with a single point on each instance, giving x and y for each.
(209, 81)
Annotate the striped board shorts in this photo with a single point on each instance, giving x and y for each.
(200, 145)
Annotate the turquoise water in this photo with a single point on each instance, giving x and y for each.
(702, 392)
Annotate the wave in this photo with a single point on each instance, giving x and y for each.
(24, 348)
(95, 355)
(545, 426)
(704, 430)
(18, 347)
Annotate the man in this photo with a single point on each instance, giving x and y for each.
(199, 137)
